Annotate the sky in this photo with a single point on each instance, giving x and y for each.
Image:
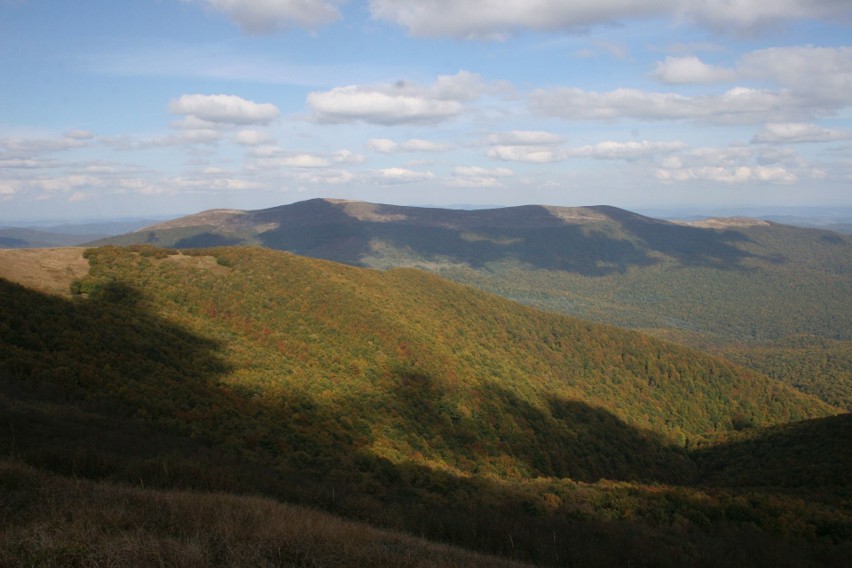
(135, 108)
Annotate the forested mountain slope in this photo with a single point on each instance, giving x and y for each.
(395, 397)
(769, 296)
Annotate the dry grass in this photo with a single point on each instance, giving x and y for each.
(48, 270)
(47, 520)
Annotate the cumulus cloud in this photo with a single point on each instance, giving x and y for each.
(739, 105)
(524, 138)
(186, 136)
(77, 183)
(525, 153)
(730, 166)
(821, 74)
(398, 103)
(796, 132)
(268, 16)
(741, 174)
(475, 176)
(608, 150)
(387, 146)
(273, 157)
(402, 175)
(329, 177)
(223, 109)
(248, 137)
(30, 147)
(487, 19)
(689, 69)
(746, 15)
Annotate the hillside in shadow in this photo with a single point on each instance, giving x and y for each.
(432, 411)
(535, 236)
(592, 241)
(812, 453)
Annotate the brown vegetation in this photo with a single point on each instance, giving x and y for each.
(49, 520)
(49, 270)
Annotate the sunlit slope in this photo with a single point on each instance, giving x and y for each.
(398, 398)
(754, 291)
(402, 364)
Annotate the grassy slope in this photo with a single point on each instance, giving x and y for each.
(48, 520)
(49, 270)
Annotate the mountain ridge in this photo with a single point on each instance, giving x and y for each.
(770, 296)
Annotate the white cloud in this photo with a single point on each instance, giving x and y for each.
(822, 75)
(741, 174)
(398, 103)
(819, 77)
(796, 132)
(248, 137)
(608, 150)
(79, 196)
(304, 161)
(387, 146)
(265, 151)
(352, 103)
(525, 153)
(632, 150)
(474, 171)
(223, 109)
(689, 69)
(347, 157)
(188, 136)
(329, 177)
(202, 184)
(273, 157)
(730, 165)
(475, 176)
(739, 105)
(490, 19)
(402, 175)
(268, 16)
(30, 147)
(524, 137)
(28, 163)
(723, 15)
(9, 187)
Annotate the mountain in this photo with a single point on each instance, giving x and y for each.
(769, 296)
(399, 398)
(35, 238)
(64, 235)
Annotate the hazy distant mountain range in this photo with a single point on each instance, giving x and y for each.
(64, 235)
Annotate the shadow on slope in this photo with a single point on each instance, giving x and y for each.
(529, 234)
(105, 388)
(532, 235)
(691, 246)
(510, 437)
(809, 454)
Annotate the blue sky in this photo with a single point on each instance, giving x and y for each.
(129, 108)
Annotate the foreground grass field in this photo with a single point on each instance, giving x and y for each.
(49, 520)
